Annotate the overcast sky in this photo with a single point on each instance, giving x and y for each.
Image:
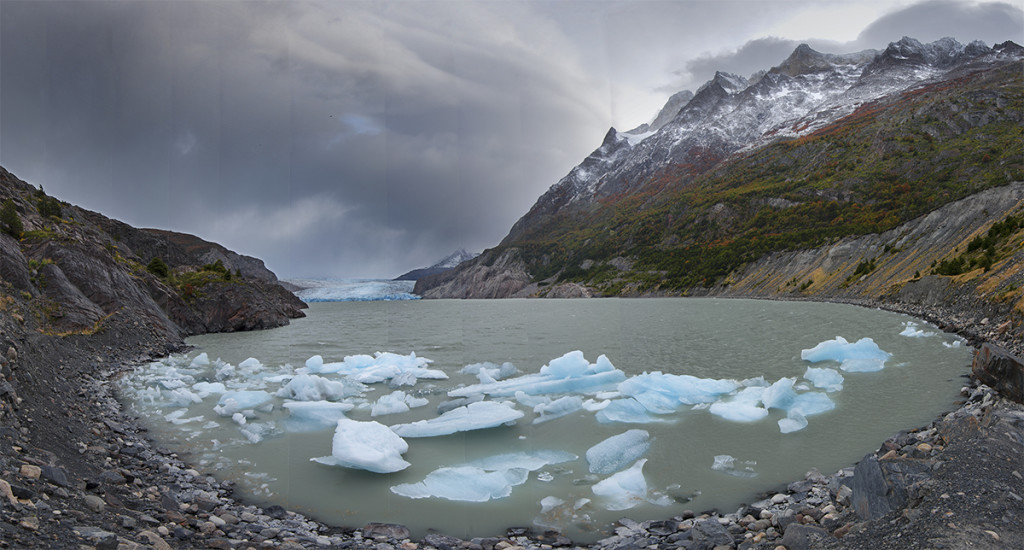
(364, 139)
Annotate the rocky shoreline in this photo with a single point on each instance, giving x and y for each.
(108, 486)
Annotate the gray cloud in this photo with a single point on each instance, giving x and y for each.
(360, 138)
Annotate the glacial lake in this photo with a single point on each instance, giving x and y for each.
(751, 345)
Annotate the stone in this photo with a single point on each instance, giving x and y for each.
(94, 503)
(30, 471)
(710, 532)
(804, 537)
(113, 477)
(276, 512)
(55, 475)
(5, 491)
(442, 542)
(389, 530)
(1000, 369)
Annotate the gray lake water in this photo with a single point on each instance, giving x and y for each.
(707, 338)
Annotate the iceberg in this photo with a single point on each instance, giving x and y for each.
(484, 479)
(464, 483)
(727, 464)
(864, 355)
(235, 401)
(826, 378)
(743, 407)
(618, 451)
(379, 367)
(568, 374)
(626, 489)
(310, 387)
(811, 403)
(489, 372)
(315, 415)
(396, 402)
(664, 393)
(627, 410)
(475, 416)
(200, 361)
(779, 395)
(369, 446)
(793, 422)
(205, 389)
(557, 408)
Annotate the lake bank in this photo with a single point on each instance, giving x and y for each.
(107, 494)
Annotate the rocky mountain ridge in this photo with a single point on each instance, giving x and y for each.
(448, 262)
(729, 114)
(952, 128)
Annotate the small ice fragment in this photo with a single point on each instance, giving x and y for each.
(727, 464)
(310, 387)
(626, 410)
(550, 503)
(793, 422)
(911, 331)
(557, 408)
(234, 401)
(743, 407)
(315, 415)
(862, 356)
(464, 483)
(369, 446)
(250, 364)
(826, 378)
(626, 489)
(545, 477)
(779, 395)
(201, 360)
(618, 451)
(811, 403)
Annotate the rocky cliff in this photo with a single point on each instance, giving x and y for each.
(70, 271)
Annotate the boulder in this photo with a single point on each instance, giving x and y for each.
(1001, 370)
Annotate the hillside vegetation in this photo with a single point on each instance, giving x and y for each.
(882, 166)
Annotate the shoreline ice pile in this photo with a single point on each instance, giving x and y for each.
(264, 401)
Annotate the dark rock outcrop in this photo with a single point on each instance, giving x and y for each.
(1000, 369)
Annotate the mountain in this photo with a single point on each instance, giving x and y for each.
(449, 261)
(808, 155)
(71, 271)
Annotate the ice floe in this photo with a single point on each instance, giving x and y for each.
(626, 489)
(618, 451)
(475, 416)
(864, 355)
(369, 446)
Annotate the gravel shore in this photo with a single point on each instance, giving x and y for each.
(76, 472)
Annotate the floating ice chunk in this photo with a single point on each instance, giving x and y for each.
(557, 408)
(911, 331)
(594, 406)
(180, 397)
(528, 460)
(616, 452)
(627, 410)
(864, 355)
(793, 422)
(475, 416)
(826, 378)
(531, 401)
(548, 504)
(239, 419)
(728, 464)
(741, 408)
(664, 393)
(315, 415)
(626, 489)
(811, 403)
(205, 389)
(234, 401)
(256, 432)
(176, 417)
(490, 372)
(200, 361)
(464, 483)
(567, 374)
(456, 403)
(369, 446)
(225, 371)
(396, 402)
(250, 364)
(955, 344)
(310, 387)
(779, 395)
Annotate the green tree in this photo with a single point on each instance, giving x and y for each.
(157, 267)
(10, 220)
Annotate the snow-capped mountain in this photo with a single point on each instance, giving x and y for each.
(732, 114)
(448, 262)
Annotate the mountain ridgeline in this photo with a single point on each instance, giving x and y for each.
(809, 156)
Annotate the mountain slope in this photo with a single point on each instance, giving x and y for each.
(69, 271)
(889, 137)
(449, 262)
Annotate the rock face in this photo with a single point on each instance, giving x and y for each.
(81, 271)
(1000, 369)
(491, 275)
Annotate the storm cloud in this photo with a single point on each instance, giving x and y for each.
(366, 138)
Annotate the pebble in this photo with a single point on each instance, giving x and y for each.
(30, 471)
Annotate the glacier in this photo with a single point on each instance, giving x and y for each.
(354, 290)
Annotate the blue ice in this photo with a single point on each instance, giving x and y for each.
(557, 408)
(234, 401)
(626, 489)
(664, 393)
(627, 410)
(475, 416)
(864, 355)
(314, 415)
(743, 407)
(310, 387)
(396, 402)
(568, 374)
(618, 451)
(464, 483)
(826, 378)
